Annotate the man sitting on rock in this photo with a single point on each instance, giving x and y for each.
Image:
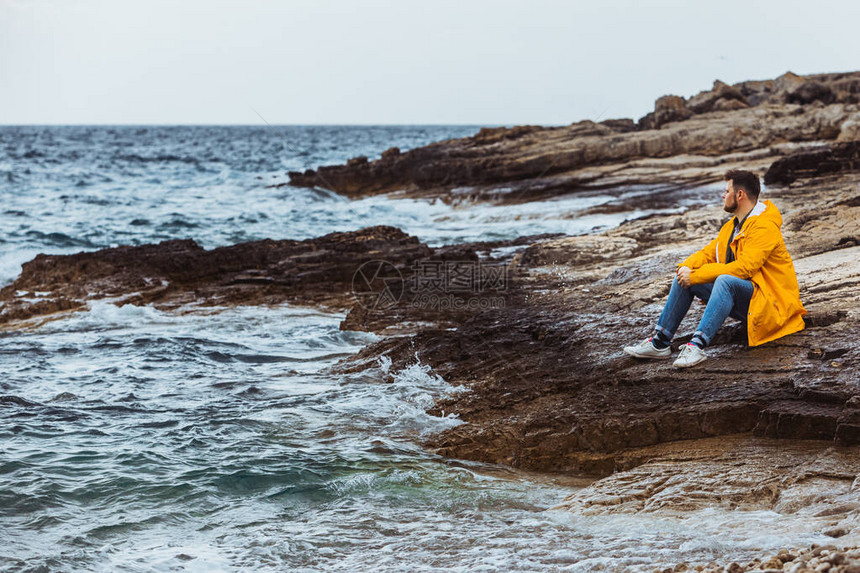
(745, 272)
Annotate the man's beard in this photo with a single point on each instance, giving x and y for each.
(731, 208)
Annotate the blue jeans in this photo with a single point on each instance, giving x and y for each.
(726, 296)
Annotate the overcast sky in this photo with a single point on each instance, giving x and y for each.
(397, 62)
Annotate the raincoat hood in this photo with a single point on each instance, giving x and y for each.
(767, 211)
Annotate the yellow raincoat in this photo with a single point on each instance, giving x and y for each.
(760, 256)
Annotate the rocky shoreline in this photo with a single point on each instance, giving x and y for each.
(828, 558)
(537, 333)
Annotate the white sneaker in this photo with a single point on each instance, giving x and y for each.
(646, 349)
(690, 356)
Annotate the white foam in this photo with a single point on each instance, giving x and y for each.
(398, 407)
(11, 262)
(417, 389)
(194, 558)
(106, 315)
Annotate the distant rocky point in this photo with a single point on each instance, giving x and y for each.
(682, 141)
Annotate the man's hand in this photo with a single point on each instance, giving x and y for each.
(684, 277)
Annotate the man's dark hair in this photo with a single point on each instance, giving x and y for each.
(745, 180)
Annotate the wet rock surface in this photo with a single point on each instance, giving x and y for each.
(175, 273)
(552, 390)
(362, 272)
(840, 157)
(831, 558)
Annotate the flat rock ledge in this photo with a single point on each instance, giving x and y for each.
(552, 390)
(180, 272)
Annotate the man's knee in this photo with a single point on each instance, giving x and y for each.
(725, 282)
(735, 287)
(702, 291)
(730, 281)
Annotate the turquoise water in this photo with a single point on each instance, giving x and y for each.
(137, 439)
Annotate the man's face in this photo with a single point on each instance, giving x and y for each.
(730, 198)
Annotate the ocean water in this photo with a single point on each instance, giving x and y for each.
(218, 439)
(74, 188)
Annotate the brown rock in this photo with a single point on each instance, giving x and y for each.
(729, 105)
(391, 153)
(707, 101)
(314, 271)
(667, 109)
(809, 92)
(625, 125)
(822, 549)
(850, 130)
(842, 156)
(787, 83)
(773, 563)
